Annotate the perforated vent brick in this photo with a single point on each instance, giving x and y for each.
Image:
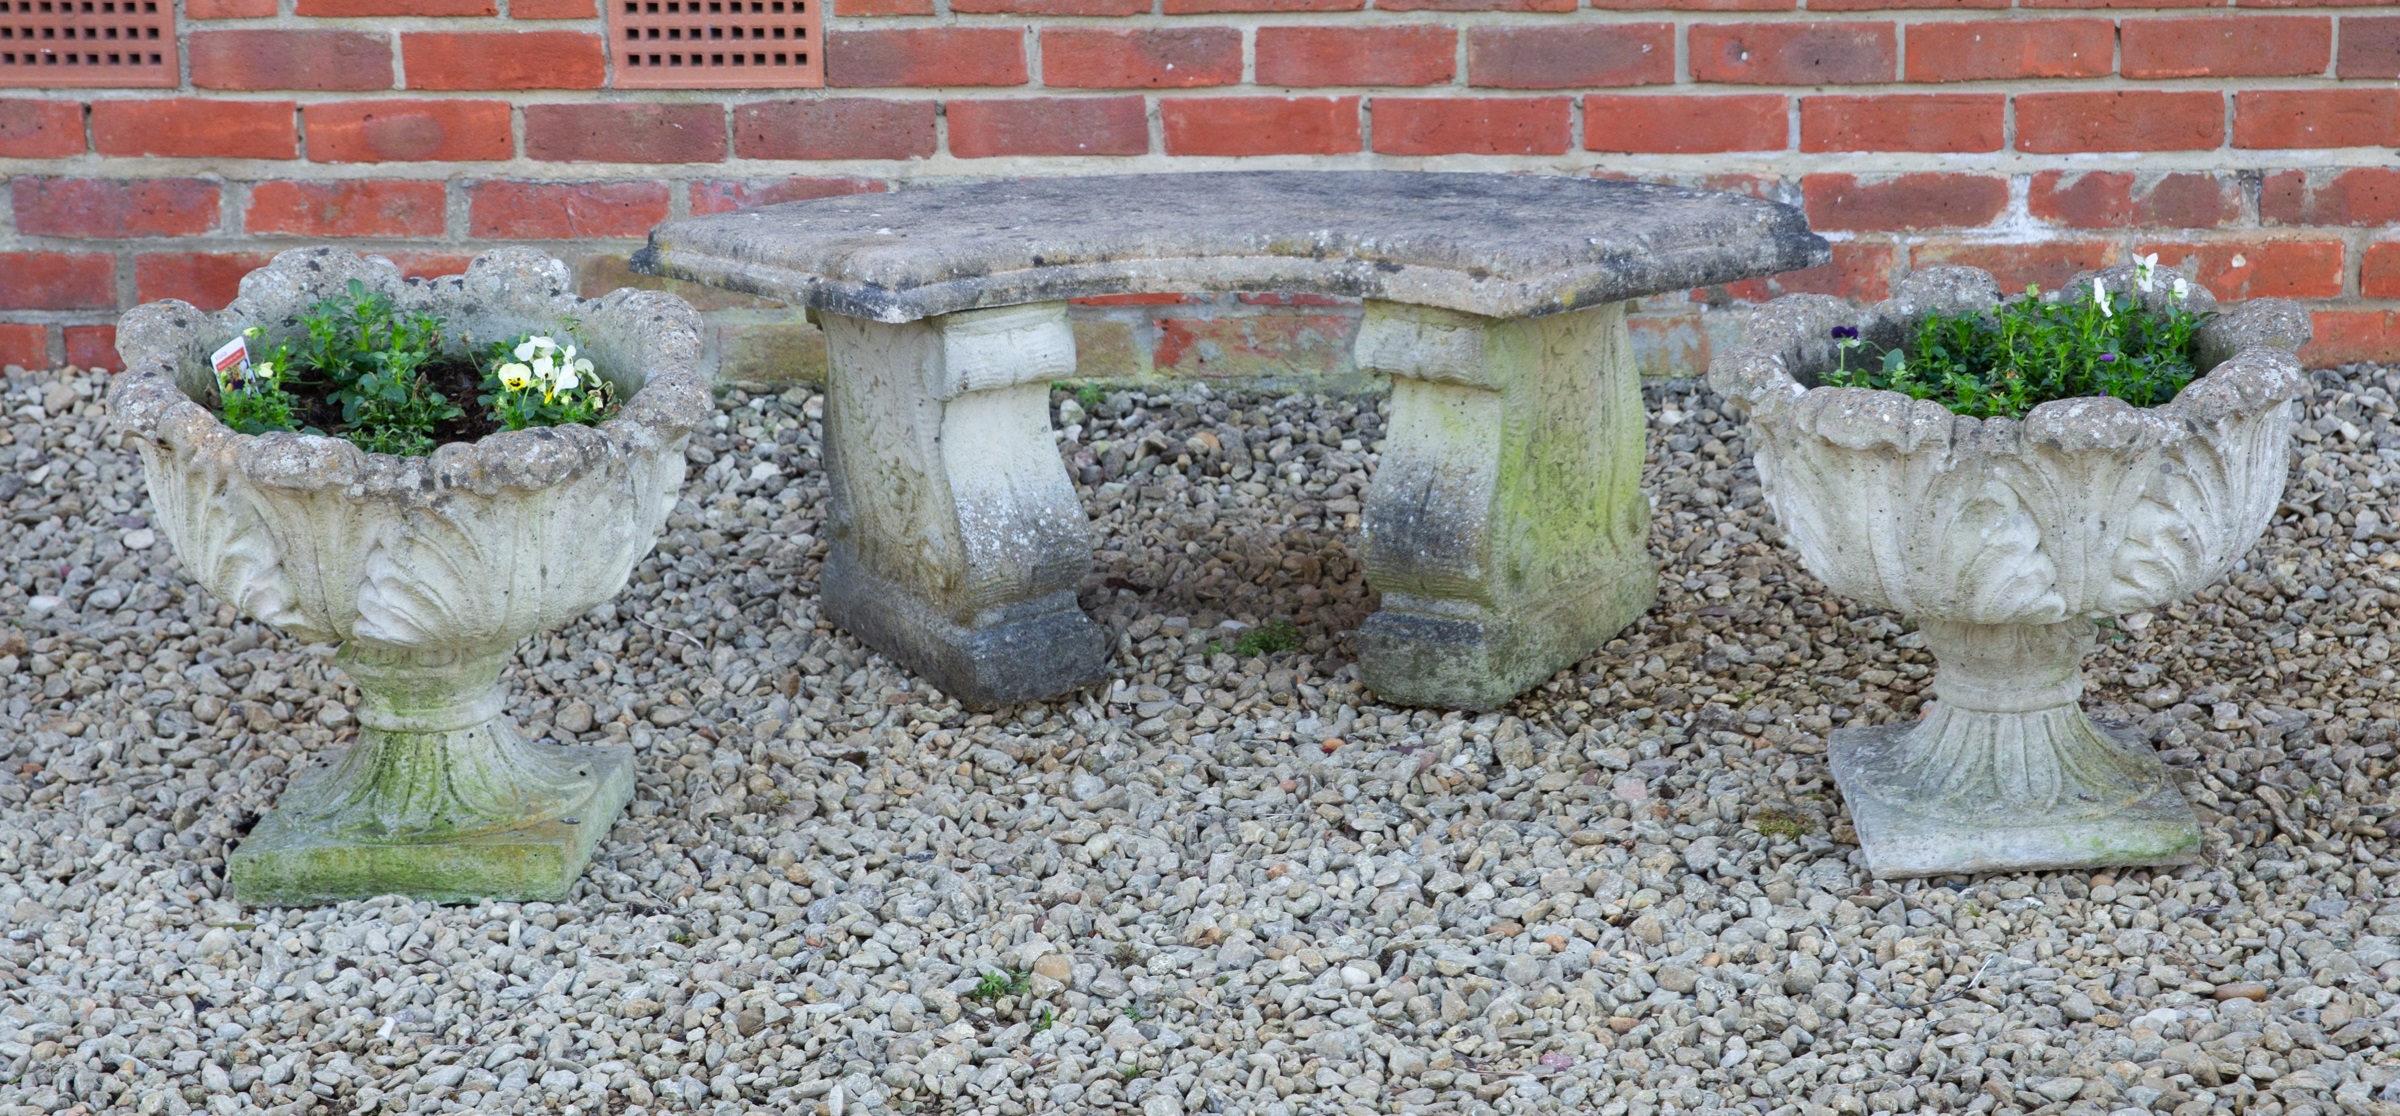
(716, 44)
(88, 43)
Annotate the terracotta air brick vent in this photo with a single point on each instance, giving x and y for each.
(716, 44)
(88, 43)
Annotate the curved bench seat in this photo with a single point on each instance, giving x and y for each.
(1505, 526)
(1497, 245)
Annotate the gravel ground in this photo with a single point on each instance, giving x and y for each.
(1227, 883)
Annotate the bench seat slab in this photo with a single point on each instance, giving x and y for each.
(1505, 526)
(957, 542)
(1504, 245)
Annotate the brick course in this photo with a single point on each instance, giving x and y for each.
(1317, 56)
(1170, 58)
(408, 131)
(2370, 47)
(625, 133)
(248, 58)
(2128, 120)
(114, 207)
(2226, 46)
(1472, 125)
(196, 128)
(564, 210)
(1794, 53)
(207, 280)
(1685, 125)
(35, 129)
(1261, 125)
(502, 59)
(1048, 126)
(1849, 203)
(2248, 141)
(346, 207)
(24, 344)
(2007, 50)
(1571, 57)
(2122, 199)
(834, 128)
(1954, 122)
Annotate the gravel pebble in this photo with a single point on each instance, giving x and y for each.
(1630, 893)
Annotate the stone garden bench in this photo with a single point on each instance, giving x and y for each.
(1505, 526)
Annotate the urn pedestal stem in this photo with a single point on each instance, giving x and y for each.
(2005, 770)
(439, 797)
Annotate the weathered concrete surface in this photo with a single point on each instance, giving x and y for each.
(427, 570)
(440, 799)
(1505, 526)
(1506, 523)
(956, 541)
(2005, 539)
(2005, 772)
(1489, 244)
(2155, 827)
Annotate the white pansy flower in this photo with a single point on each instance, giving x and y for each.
(566, 377)
(2144, 269)
(514, 376)
(2182, 288)
(544, 344)
(524, 351)
(2100, 295)
(544, 367)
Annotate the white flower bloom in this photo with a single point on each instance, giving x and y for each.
(525, 351)
(582, 364)
(2144, 268)
(566, 378)
(570, 353)
(544, 344)
(263, 369)
(2182, 288)
(2100, 295)
(544, 368)
(514, 377)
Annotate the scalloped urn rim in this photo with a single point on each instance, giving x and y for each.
(162, 344)
(2110, 508)
(474, 544)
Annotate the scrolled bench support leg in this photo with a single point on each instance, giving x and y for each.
(957, 542)
(1505, 527)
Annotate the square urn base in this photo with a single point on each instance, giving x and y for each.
(2156, 830)
(280, 865)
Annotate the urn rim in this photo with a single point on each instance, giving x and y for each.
(2248, 354)
(157, 341)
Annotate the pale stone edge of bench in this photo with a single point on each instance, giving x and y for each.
(1444, 288)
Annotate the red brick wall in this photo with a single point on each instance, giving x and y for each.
(2250, 143)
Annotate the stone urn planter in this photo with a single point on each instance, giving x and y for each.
(427, 571)
(2005, 540)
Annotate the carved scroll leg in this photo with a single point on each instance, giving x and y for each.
(957, 542)
(1505, 525)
